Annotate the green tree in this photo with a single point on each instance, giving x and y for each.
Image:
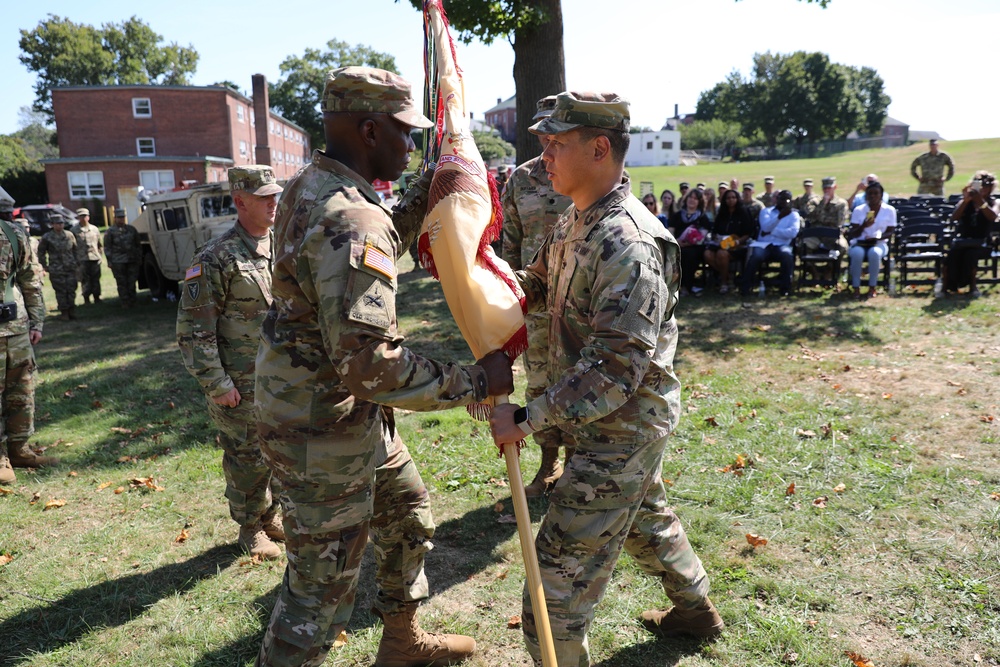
(715, 134)
(36, 136)
(64, 53)
(296, 96)
(491, 146)
(535, 31)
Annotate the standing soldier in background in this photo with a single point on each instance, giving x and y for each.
(57, 255)
(754, 207)
(88, 249)
(32, 245)
(806, 202)
(224, 298)
(121, 246)
(766, 198)
(530, 208)
(21, 315)
(932, 165)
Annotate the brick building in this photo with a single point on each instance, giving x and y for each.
(113, 139)
(503, 118)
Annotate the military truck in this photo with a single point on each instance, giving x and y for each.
(173, 226)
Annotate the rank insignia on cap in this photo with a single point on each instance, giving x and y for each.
(381, 262)
(193, 272)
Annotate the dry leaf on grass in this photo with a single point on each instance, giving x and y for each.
(5, 492)
(840, 488)
(988, 419)
(498, 508)
(5, 558)
(35, 498)
(72, 473)
(711, 421)
(53, 504)
(804, 433)
(995, 496)
(858, 659)
(735, 467)
(103, 485)
(145, 483)
(182, 538)
(790, 658)
(502, 575)
(514, 622)
(341, 639)
(123, 431)
(820, 502)
(790, 491)
(952, 383)
(755, 540)
(507, 518)
(119, 490)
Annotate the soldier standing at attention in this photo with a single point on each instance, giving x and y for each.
(88, 248)
(806, 202)
(766, 198)
(121, 246)
(609, 274)
(224, 298)
(932, 165)
(530, 208)
(57, 254)
(330, 369)
(21, 315)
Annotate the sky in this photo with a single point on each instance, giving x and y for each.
(932, 55)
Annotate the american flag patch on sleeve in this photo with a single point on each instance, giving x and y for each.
(381, 262)
(193, 272)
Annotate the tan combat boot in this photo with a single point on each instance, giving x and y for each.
(404, 644)
(6, 471)
(548, 474)
(255, 542)
(63, 316)
(22, 456)
(271, 521)
(702, 622)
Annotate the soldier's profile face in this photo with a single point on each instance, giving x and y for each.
(257, 211)
(391, 155)
(566, 157)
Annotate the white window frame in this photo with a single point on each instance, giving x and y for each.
(91, 182)
(240, 113)
(139, 146)
(137, 103)
(243, 148)
(162, 185)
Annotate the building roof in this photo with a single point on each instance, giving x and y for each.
(924, 135)
(139, 158)
(889, 120)
(508, 103)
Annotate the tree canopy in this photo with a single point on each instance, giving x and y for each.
(296, 96)
(64, 53)
(491, 146)
(800, 95)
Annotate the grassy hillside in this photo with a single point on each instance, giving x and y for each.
(891, 164)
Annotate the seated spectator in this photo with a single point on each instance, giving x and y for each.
(858, 198)
(666, 206)
(830, 211)
(975, 216)
(690, 227)
(750, 202)
(711, 204)
(872, 224)
(779, 225)
(731, 232)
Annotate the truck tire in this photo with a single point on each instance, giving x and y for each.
(157, 283)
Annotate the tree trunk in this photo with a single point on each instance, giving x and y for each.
(539, 70)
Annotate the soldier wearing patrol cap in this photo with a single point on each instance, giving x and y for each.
(224, 297)
(530, 208)
(753, 206)
(57, 254)
(331, 367)
(88, 248)
(806, 201)
(124, 253)
(609, 273)
(932, 165)
(766, 198)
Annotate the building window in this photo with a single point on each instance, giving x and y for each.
(141, 107)
(668, 145)
(86, 184)
(240, 113)
(157, 181)
(649, 145)
(243, 148)
(145, 146)
(253, 117)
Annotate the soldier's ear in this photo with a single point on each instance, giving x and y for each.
(368, 131)
(602, 148)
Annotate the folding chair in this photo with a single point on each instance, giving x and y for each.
(814, 262)
(919, 253)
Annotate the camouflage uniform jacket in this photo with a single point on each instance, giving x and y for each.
(88, 243)
(330, 350)
(766, 199)
(805, 204)
(754, 208)
(609, 277)
(835, 213)
(530, 208)
(121, 244)
(57, 252)
(932, 167)
(27, 285)
(224, 298)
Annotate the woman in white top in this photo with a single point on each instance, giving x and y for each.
(872, 224)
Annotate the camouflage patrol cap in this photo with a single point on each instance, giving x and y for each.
(572, 110)
(119, 213)
(544, 107)
(769, 179)
(371, 89)
(807, 181)
(829, 181)
(82, 211)
(748, 186)
(257, 179)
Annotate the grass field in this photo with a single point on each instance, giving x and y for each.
(884, 415)
(891, 164)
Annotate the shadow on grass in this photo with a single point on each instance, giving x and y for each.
(662, 653)
(46, 628)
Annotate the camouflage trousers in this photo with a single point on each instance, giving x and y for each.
(535, 363)
(17, 382)
(126, 274)
(251, 490)
(932, 186)
(610, 498)
(64, 285)
(90, 277)
(333, 494)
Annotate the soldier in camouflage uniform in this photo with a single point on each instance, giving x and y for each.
(122, 248)
(88, 249)
(330, 369)
(21, 320)
(806, 201)
(609, 275)
(32, 245)
(932, 165)
(530, 208)
(223, 301)
(57, 254)
(754, 207)
(766, 198)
